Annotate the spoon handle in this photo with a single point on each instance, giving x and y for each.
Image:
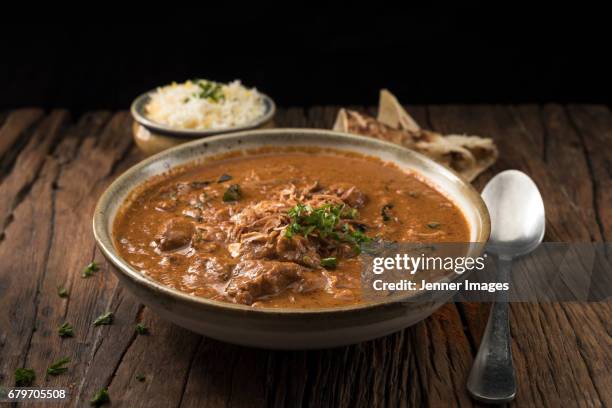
(492, 377)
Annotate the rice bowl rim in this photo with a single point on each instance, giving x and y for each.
(137, 109)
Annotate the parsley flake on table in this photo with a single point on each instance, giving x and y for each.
(58, 367)
(105, 319)
(90, 269)
(65, 330)
(24, 377)
(142, 329)
(100, 398)
(62, 292)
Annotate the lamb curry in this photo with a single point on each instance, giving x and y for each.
(280, 229)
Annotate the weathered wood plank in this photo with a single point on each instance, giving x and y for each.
(28, 165)
(594, 124)
(71, 247)
(25, 246)
(13, 132)
(425, 365)
(96, 161)
(564, 156)
(24, 263)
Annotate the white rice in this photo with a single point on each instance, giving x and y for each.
(180, 106)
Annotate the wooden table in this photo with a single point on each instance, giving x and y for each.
(54, 168)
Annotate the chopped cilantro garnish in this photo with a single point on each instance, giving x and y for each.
(233, 193)
(326, 222)
(329, 263)
(140, 377)
(386, 212)
(209, 90)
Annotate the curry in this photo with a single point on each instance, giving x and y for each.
(280, 229)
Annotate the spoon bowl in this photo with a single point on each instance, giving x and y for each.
(517, 214)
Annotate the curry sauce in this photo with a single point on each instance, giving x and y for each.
(280, 229)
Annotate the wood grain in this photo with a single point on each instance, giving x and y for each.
(56, 168)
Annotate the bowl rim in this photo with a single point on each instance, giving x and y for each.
(104, 240)
(137, 111)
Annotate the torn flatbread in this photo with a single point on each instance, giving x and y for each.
(393, 114)
(467, 155)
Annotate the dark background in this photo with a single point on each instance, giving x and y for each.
(430, 55)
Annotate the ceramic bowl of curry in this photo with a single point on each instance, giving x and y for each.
(255, 237)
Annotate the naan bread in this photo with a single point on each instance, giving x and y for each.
(467, 155)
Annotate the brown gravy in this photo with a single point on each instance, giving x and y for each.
(280, 229)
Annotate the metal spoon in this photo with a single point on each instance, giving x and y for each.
(517, 228)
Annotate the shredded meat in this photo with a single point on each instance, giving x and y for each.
(299, 250)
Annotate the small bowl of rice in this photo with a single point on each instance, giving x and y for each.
(176, 113)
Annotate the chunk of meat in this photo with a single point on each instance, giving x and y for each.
(210, 233)
(210, 269)
(298, 249)
(349, 194)
(252, 250)
(176, 233)
(252, 280)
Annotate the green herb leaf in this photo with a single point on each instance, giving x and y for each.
(24, 377)
(329, 263)
(90, 269)
(62, 292)
(224, 177)
(210, 90)
(100, 398)
(65, 330)
(58, 367)
(233, 193)
(350, 213)
(325, 222)
(434, 225)
(105, 319)
(140, 377)
(386, 212)
(142, 329)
